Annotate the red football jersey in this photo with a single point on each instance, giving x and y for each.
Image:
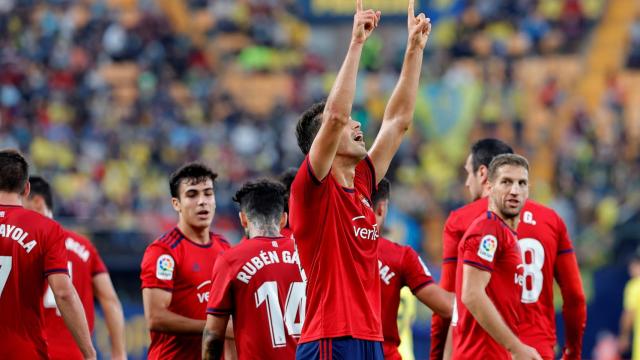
(336, 235)
(399, 266)
(84, 263)
(488, 245)
(176, 264)
(259, 283)
(31, 248)
(542, 237)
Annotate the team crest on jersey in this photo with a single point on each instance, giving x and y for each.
(488, 247)
(165, 266)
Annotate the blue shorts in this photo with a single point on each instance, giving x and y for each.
(340, 348)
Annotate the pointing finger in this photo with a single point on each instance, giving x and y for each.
(359, 5)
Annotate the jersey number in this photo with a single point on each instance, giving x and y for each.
(5, 269)
(49, 299)
(294, 304)
(532, 269)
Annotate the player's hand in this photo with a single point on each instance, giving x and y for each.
(525, 352)
(419, 28)
(364, 22)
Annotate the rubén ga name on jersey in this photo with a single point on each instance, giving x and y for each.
(265, 258)
(17, 234)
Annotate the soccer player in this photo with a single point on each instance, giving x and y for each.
(257, 281)
(330, 206)
(401, 266)
(32, 251)
(489, 276)
(546, 251)
(176, 268)
(89, 276)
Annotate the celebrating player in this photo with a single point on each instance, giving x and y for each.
(176, 268)
(331, 216)
(89, 276)
(257, 281)
(401, 266)
(32, 250)
(489, 274)
(546, 251)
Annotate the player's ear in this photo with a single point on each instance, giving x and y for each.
(27, 189)
(175, 202)
(244, 222)
(283, 220)
(483, 173)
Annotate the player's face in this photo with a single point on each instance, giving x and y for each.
(509, 190)
(474, 180)
(196, 203)
(352, 141)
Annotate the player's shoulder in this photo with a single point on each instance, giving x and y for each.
(386, 246)
(167, 241)
(537, 208)
(29, 219)
(534, 212)
(468, 213)
(219, 238)
(77, 237)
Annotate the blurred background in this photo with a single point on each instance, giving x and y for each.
(107, 98)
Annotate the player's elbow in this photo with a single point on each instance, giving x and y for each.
(575, 299)
(470, 298)
(212, 344)
(335, 119)
(155, 321)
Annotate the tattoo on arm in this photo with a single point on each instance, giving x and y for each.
(213, 345)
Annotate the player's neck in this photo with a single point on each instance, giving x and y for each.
(263, 230)
(12, 199)
(511, 222)
(344, 170)
(200, 236)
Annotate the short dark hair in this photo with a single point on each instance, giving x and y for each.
(382, 193)
(506, 159)
(286, 178)
(193, 172)
(309, 125)
(40, 187)
(262, 200)
(14, 171)
(483, 151)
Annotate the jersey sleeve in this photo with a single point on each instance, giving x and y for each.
(564, 242)
(415, 273)
(450, 240)
(97, 265)
(480, 248)
(55, 257)
(574, 308)
(365, 179)
(158, 268)
(220, 295)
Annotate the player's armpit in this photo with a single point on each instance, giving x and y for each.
(113, 314)
(438, 300)
(574, 308)
(160, 318)
(72, 312)
(213, 337)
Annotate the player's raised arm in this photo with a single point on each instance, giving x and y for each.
(399, 112)
(337, 110)
(113, 315)
(72, 312)
(475, 298)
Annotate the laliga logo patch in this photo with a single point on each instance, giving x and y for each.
(488, 247)
(164, 268)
